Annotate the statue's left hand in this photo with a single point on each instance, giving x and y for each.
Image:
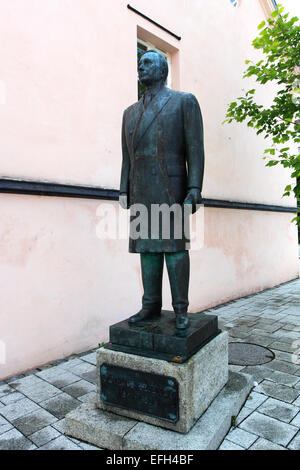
(193, 197)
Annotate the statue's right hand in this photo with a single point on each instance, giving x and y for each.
(123, 201)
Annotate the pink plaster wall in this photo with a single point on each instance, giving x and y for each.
(69, 70)
(61, 287)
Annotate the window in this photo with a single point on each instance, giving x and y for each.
(142, 47)
(275, 4)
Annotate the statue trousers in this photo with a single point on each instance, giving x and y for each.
(178, 267)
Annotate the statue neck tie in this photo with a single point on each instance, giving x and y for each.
(147, 98)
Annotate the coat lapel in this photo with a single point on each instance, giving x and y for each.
(132, 120)
(137, 121)
(148, 115)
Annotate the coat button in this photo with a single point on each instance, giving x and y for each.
(153, 171)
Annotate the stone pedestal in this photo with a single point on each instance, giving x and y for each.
(160, 339)
(114, 432)
(167, 394)
(161, 388)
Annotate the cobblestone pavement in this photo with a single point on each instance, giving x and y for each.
(33, 405)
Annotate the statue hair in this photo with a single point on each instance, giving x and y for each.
(163, 64)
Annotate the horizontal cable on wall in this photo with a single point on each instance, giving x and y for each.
(39, 188)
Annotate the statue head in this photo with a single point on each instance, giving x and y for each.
(153, 68)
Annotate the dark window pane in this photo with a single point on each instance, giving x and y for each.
(142, 47)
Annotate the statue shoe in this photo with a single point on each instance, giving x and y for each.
(144, 315)
(182, 321)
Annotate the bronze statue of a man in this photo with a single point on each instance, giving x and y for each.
(163, 163)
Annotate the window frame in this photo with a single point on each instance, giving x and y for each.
(149, 45)
(268, 6)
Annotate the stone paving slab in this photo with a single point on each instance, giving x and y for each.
(5, 389)
(91, 358)
(275, 390)
(284, 356)
(60, 405)
(242, 438)
(58, 377)
(44, 436)
(82, 368)
(70, 363)
(90, 376)
(14, 440)
(11, 398)
(296, 421)
(295, 443)
(243, 414)
(254, 400)
(284, 367)
(60, 443)
(297, 402)
(259, 339)
(282, 346)
(286, 336)
(269, 428)
(4, 425)
(88, 397)
(18, 409)
(264, 444)
(78, 389)
(59, 425)
(284, 378)
(259, 373)
(35, 388)
(34, 421)
(228, 445)
(85, 445)
(279, 410)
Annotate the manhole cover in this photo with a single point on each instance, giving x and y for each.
(248, 354)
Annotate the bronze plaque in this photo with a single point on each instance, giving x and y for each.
(151, 394)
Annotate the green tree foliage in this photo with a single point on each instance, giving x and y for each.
(279, 40)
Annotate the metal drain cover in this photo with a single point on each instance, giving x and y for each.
(248, 354)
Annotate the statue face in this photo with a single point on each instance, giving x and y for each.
(149, 69)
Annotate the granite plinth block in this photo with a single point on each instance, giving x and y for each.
(109, 431)
(160, 339)
(105, 430)
(198, 381)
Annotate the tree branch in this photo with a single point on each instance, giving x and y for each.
(289, 122)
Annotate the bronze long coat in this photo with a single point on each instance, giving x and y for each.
(163, 156)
